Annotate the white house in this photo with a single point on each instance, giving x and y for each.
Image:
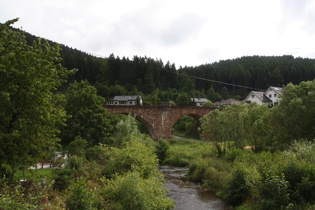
(199, 101)
(273, 94)
(270, 96)
(126, 100)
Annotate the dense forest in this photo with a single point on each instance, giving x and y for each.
(144, 75)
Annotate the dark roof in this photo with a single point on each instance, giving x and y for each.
(127, 98)
(226, 102)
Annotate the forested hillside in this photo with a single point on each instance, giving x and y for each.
(144, 75)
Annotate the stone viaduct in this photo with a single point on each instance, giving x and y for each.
(159, 120)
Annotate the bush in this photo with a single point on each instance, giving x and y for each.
(160, 149)
(75, 162)
(28, 197)
(78, 147)
(237, 188)
(135, 156)
(96, 153)
(80, 197)
(197, 170)
(274, 193)
(131, 191)
(177, 160)
(233, 153)
(63, 178)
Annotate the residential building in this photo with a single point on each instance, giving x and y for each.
(126, 100)
(199, 101)
(270, 96)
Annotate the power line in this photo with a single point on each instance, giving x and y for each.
(194, 77)
(213, 81)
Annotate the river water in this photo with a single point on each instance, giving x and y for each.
(187, 195)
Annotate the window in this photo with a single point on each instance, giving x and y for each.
(270, 95)
(275, 95)
(253, 96)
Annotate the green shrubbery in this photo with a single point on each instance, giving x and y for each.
(160, 149)
(265, 180)
(237, 188)
(132, 191)
(80, 197)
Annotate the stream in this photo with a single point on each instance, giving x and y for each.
(187, 195)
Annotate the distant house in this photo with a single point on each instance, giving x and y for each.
(273, 94)
(270, 96)
(126, 100)
(199, 101)
(226, 102)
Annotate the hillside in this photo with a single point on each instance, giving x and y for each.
(144, 74)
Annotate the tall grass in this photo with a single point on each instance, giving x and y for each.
(182, 151)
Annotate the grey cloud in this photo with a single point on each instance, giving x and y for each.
(181, 29)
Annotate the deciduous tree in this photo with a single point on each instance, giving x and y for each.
(29, 107)
(88, 118)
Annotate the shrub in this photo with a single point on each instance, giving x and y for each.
(27, 197)
(274, 193)
(75, 162)
(80, 197)
(160, 149)
(237, 188)
(63, 178)
(78, 146)
(96, 153)
(135, 156)
(234, 153)
(177, 160)
(197, 170)
(215, 179)
(294, 175)
(131, 191)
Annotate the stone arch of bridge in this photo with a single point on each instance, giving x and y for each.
(175, 119)
(143, 121)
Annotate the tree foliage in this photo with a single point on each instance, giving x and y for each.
(30, 110)
(242, 124)
(263, 127)
(88, 118)
(294, 118)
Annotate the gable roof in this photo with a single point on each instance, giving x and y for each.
(260, 95)
(276, 89)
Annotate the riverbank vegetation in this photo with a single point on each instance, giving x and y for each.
(245, 179)
(256, 157)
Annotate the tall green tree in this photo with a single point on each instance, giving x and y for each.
(88, 118)
(30, 110)
(183, 99)
(212, 95)
(294, 117)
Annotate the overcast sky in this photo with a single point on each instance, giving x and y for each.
(183, 32)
